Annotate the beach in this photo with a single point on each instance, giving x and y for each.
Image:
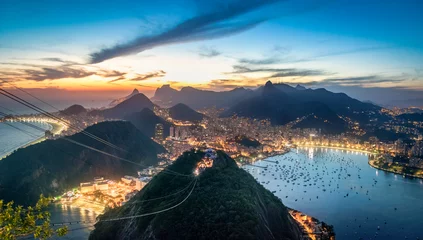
(23, 140)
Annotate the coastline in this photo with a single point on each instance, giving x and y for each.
(373, 165)
(370, 162)
(53, 127)
(310, 226)
(338, 148)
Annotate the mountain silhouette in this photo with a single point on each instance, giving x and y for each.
(280, 108)
(146, 121)
(166, 96)
(184, 113)
(117, 101)
(131, 105)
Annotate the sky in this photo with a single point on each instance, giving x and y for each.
(91, 51)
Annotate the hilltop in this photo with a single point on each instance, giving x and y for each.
(226, 203)
(54, 166)
(119, 100)
(73, 110)
(184, 113)
(131, 105)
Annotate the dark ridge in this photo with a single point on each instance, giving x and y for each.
(73, 110)
(54, 166)
(146, 121)
(184, 113)
(226, 203)
(131, 105)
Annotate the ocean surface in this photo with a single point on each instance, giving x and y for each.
(341, 189)
(14, 135)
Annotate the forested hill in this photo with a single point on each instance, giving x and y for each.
(53, 166)
(226, 203)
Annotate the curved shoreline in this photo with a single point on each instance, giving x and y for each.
(371, 164)
(338, 148)
(53, 127)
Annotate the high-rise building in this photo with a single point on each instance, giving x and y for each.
(158, 133)
(417, 150)
(172, 132)
(177, 132)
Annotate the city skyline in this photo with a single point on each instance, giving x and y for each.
(96, 52)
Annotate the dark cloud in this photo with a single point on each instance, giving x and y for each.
(299, 73)
(117, 79)
(245, 69)
(218, 23)
(235, 83)
(280, 55)
(208, 52)
(112, 73)
(147, 76)
(264, 61)
(60, 60)
(37, 73)
(279, 72)
(56, 73)
(361, 80)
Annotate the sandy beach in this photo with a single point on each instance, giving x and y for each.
(54, 128)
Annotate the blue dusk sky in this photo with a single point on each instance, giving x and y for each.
(98, 50)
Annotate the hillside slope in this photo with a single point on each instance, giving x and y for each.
(281, 108)
(184, 113)
(119, 100)
(131, 105)
(53, 166)
(146, 121)
(226, 203)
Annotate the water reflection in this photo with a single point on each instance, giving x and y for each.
(339, 187)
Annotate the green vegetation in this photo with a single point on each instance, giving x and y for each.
(226, 203)
(397, 168)
(246, 141)
(17, 221)
(385, 135)
(55, 166)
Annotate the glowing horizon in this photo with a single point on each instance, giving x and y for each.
(355, 49)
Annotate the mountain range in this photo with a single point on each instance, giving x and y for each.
(166, 96)
(280, 103)
(299, 96)
(280, 108)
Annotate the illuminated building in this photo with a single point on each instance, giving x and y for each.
(87, 187)
(172, 132)
(158, 133)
